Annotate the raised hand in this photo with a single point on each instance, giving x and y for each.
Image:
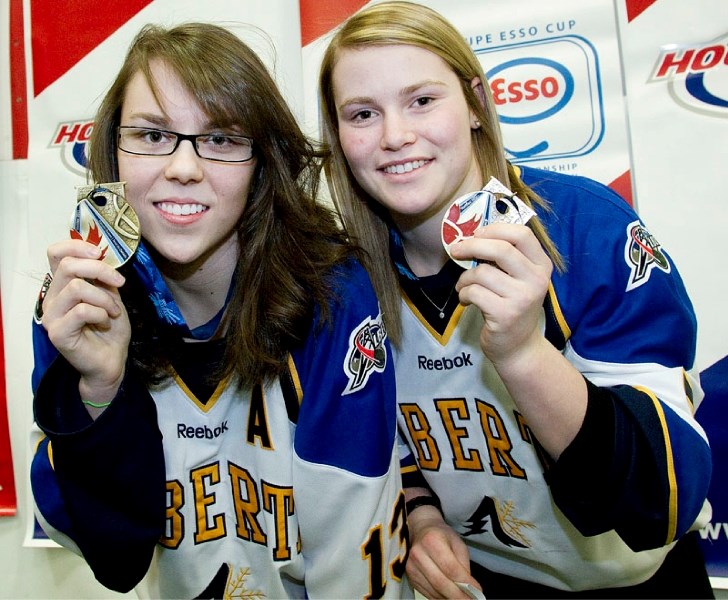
(86, 319)
(509, 286)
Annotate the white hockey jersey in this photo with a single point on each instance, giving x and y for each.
(636, 476)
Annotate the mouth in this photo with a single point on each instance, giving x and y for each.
(176, 209)
(405, 167)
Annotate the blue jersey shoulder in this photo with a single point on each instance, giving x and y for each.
(348, 411)
(621, 297)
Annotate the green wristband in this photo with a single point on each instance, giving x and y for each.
(94, 405)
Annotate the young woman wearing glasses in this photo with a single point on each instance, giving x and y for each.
(219, 411)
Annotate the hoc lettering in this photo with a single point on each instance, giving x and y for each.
(452, 418)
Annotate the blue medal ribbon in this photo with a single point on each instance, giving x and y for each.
(165, 305)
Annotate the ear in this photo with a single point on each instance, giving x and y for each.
(477, 87)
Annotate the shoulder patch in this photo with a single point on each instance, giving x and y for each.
(38, 311)
(367, 353)
(642, 254)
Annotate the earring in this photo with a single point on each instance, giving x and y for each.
(476, 124)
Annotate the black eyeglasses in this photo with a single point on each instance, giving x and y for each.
(147, 141)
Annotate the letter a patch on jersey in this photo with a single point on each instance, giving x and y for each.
(642, 254)
(367, 353)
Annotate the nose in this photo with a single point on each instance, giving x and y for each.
(183, 164)
(397, 132)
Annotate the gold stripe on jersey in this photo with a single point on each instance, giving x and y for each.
(292, 390)
(203, 406)
(672, 511)
(295, 379)
(689, 393)
(555, 315)
(50, 453)
(451, 325)
(409, 469)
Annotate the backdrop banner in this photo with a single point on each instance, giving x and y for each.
(8, 502)
(632, 93)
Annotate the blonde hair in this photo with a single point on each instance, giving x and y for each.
(407, 23)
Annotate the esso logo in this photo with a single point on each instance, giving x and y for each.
(530, 89)
(548, 96)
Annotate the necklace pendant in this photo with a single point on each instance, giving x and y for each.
(439, 309)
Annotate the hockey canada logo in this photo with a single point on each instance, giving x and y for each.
(642, 254)
(71, 139)
(695, 75)
(367, 353)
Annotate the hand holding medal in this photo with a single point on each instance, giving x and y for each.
(104, 218)
(495, 203)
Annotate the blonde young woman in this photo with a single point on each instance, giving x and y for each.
(545, 392)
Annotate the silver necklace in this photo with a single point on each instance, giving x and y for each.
(441, 309)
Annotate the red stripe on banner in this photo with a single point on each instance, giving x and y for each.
(18, 87)
(63, 32)
(623, 186)
(636, 7)
(321, 16)
(8, 502)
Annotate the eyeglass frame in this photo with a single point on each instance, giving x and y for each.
(180, 137)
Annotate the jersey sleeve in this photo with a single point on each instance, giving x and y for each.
(641, 464)
(347, 482)
(43, 353)
(99, 486)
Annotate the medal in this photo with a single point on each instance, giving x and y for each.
(103, 217)
(495, 203)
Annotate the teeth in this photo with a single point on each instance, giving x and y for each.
(405, 167)
(181, 209)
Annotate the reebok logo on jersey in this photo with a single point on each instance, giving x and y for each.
(367, 353)
(190, 433)
(444, 364)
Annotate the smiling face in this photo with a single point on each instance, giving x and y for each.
(188, 207)
(405, 129)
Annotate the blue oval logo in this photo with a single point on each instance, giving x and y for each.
(566, 95)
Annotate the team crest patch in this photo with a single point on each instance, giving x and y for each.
(38, 312)
(367, 353)
(642, 254)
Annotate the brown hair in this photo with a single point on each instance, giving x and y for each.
(392, 23)
(289, 242)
